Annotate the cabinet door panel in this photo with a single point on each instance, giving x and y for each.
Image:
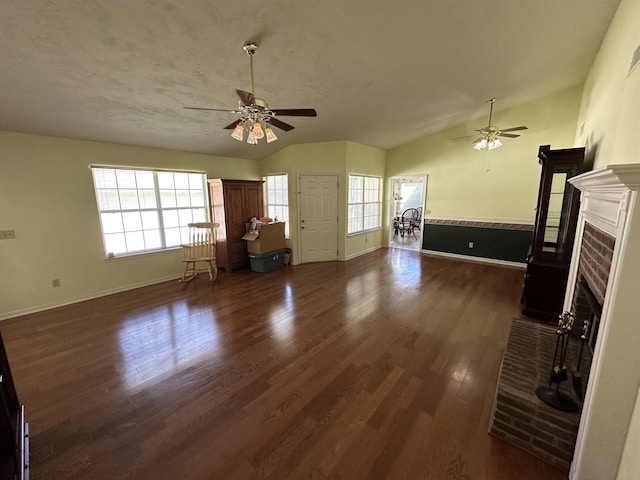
(253, 199)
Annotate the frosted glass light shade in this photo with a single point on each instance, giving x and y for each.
(480, 144)
(257, 130)
(238, 132)
(271, 137)
(495, 143)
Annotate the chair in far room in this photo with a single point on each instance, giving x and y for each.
(200, 249)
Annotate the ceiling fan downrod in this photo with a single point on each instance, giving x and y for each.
(490, 109)
(250, 48)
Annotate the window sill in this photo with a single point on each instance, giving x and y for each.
(361, 232)
(130, 256)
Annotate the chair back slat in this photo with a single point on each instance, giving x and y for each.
(202, 241)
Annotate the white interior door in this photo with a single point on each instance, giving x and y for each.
(318, 218)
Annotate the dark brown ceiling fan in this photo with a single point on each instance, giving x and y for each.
(489, 135)
(255, 112)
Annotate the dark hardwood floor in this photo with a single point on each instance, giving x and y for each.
(382, 367)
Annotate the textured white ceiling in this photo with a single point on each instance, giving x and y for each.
(379, 73)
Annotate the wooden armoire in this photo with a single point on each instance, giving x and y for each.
(233, 203)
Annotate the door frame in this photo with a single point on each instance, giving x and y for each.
(424, 177)
(299, 209)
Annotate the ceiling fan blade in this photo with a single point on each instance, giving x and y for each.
(295, 112)
(280, 124)
(513, 129)
(212, 109)
(477, 140)
(245, 97)
(462, 138)
(232, 125)
(510, 135)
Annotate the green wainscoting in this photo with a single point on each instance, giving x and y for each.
(510, 244)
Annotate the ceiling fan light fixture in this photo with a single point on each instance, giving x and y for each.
(238, 132)
(271, 137)
(480, 144)
(494, 143)
(257, 131)
(251, 138)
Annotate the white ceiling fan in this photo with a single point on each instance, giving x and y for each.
(489, 135)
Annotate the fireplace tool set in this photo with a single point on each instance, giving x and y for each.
(547, 393)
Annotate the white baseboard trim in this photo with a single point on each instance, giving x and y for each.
(363, 252)
(469, 258)
(49, 306)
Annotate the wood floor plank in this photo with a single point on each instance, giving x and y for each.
(382, 367)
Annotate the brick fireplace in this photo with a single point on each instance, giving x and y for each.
(603, 289)
(520, 418)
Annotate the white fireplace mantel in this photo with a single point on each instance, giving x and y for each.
(609, 198)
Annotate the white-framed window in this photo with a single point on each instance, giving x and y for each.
(277, 195)
(365, 203)
(144, 210)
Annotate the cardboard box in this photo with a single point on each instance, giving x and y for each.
(270, 237)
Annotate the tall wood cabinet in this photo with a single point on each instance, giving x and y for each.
(553, 234)
(14, 431)
(233, 203)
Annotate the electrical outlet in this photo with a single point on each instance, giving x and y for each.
(55, 282)
(470, 244)
(7, 234)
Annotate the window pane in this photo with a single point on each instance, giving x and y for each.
(197, 198)
(181, 180)
(114, 243)
(168, 198)
(172, 237)
(152, 239)
(144, 179)
(195, 181)
(135, 241)
(130, 210)
(126, 178)
(149, 220)
(132, 221)
(170, 218)
(129, 200)
(184, 198)
(199, 215)
(185, 217)
(147, 198)
(277, 196)
(111, 222)
(165, 180)
(365, 203)
(108, 199)
(105, 178)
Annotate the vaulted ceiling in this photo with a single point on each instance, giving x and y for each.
(379, 73)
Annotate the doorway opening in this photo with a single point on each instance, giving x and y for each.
(406, 211)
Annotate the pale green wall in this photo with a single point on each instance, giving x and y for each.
(364, 160)
(310, 158)
(339, 158)
(500, 184)
(609, 122)
(47, 197)
(610, 110)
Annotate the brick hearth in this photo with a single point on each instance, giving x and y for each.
(520, 418)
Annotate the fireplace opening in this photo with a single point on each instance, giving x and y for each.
(593, 316)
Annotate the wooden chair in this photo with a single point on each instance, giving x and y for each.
(408, 222)
(201, 248)
(416, 219)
